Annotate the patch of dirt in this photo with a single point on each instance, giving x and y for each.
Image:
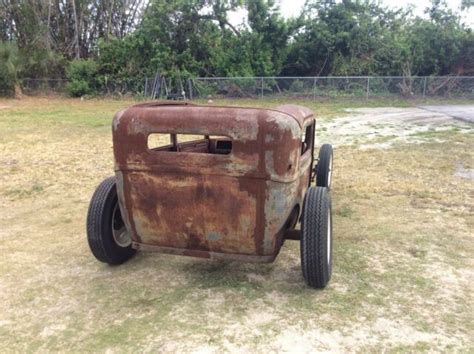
(461, 112)
(381, 127)
(393, 333)
(467, 173)
(4, 106)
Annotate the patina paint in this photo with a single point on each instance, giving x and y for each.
(233, 206)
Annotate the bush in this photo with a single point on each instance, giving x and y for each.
(8, 60)
(35, 62)
(78, 88)
(7, 82)
(82, 77)
(297, 86)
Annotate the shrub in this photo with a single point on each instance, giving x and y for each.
(297, 86)
(78, 88)
(35, 62)
(8, 61)
(7, 82)
(82, 77)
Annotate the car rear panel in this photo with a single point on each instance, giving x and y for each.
(203, 204)
(201, 212)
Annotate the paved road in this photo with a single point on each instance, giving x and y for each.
(461, 112)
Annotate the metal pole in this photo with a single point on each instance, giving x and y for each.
(190, 88)
(424, 87)
(368, 86)
(261, 87)
(314, 89)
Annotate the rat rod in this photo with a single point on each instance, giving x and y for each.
(225, 183)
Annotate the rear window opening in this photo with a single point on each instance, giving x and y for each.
(158, 140)
(203, 144)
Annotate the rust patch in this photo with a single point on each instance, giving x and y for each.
(206, 204)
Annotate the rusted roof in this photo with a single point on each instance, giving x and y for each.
(299, 113)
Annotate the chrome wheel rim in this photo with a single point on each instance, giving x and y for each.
(119, 231)
(330, 172)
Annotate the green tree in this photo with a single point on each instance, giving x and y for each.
(437, 43)
(365, 38)
(82, 77)
(268, 37)
(347, 38)
(124, 41)
(8, 68)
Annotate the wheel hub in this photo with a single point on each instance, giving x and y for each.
(119, 231)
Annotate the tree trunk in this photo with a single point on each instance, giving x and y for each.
(76, 31)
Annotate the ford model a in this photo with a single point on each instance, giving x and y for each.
(215, 182)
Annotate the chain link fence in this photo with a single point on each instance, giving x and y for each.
(32, 87)
(364, 87)
(332, 87)
(59, 86)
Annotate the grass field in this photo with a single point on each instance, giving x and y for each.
(403, 249)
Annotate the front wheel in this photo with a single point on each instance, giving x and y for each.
(108, 238)
(324, 166)
(316, 237)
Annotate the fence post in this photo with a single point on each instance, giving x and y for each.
(424, 87)
(314, 89)
(368, 87)
(261, 87)
(190, 88)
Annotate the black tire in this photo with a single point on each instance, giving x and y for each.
(316, 237)
(324, 166)
(101, 217)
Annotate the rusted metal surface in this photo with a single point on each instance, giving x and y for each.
(233, 206)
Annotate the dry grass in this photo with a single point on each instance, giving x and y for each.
(403, 253)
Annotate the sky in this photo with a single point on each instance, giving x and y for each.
(292, 8)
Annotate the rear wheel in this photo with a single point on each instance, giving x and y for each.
(324, 167)
(316, 237)
(108, 238)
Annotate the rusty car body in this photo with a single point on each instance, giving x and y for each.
(229, 183)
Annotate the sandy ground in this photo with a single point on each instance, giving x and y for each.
(461, 112)
(382, 127)
(385, 126)
(403, 277)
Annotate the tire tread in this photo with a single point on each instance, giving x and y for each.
(322, 169)
(316, 270)
(102, 245)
